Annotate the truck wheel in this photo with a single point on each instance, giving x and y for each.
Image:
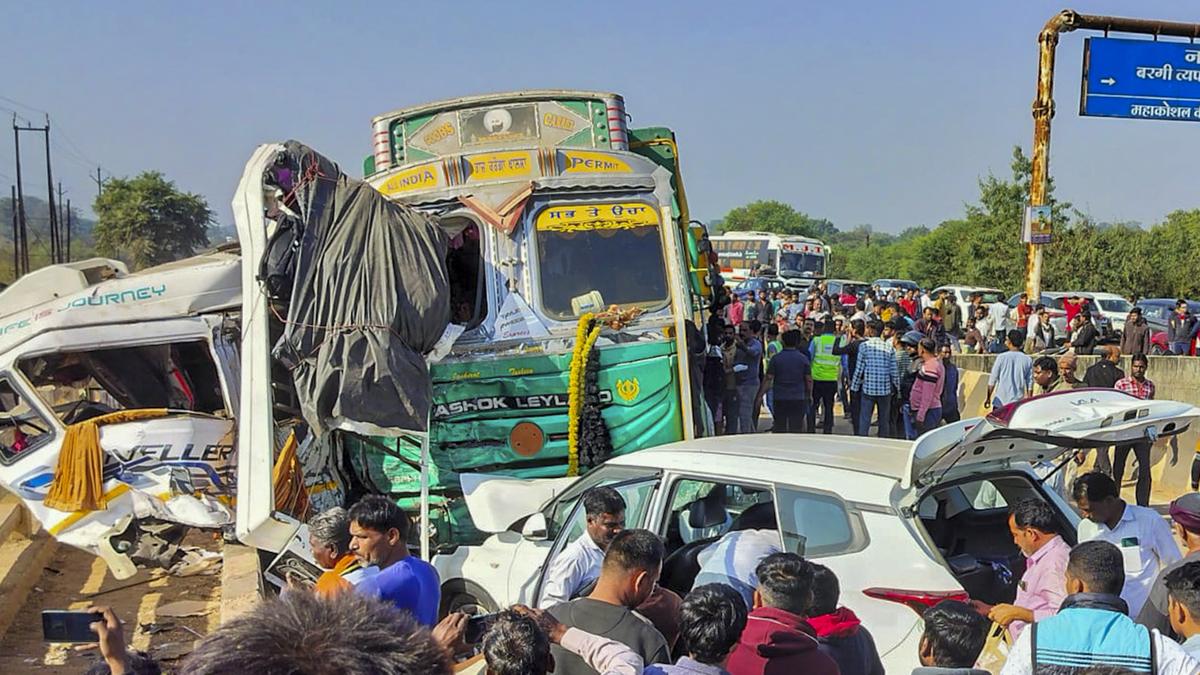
(461, 595)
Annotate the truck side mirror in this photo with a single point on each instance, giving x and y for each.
(534, 528)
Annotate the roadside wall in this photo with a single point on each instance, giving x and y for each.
(1176, 378)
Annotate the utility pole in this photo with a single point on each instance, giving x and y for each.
(16, 225)
(62, 219)
(23, 233)
(68, 230)
(99, 183)
(55, 254)
(1043, 104)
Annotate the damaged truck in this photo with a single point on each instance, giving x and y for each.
(514, 290)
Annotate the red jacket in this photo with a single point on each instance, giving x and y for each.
(776, 642)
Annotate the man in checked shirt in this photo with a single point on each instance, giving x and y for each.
(877, 378)
(1138, 385)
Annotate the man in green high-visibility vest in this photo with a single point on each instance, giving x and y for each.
(825, 365)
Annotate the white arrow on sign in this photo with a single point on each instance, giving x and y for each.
(1110, 81)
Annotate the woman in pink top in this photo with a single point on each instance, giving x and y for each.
(926, 398)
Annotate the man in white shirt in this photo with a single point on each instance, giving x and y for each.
(578, 564)
(1143, 536)
(732, 559)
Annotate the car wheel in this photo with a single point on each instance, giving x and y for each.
(1156, 350)
(461, 595)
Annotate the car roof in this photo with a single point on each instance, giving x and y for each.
(860, 454)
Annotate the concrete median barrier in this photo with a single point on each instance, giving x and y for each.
(1176, 378)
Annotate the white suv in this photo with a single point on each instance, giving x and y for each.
(903, 524)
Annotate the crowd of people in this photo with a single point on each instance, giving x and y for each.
(759, 610)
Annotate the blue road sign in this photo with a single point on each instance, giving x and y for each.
(1141, 79)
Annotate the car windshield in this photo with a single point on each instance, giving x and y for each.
(795, 264)
(1119, 305)
(611, 257)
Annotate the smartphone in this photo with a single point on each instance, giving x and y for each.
(65, 626)
(477, 627)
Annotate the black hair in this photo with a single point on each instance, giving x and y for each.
(858, 325)
(1139, 358)
(875, 326)
(1015, 337)
(1047, 364)
(303, 633)
(955, 634)
(826, 591)
(516, 645)
(378, 513)
(791, 338)
(136, 663)
(1034, 513)
(772, 329)
(634, 550)
(1096, 486)
(785, 581)
(600, 500)
(860, 305)
(711, 622)
(928, 345)
(755, 326)
(1183, 584)
(1099, 565)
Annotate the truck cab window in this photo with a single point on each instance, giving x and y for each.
(464, 263)
(21, 426)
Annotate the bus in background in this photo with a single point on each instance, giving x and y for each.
(797, 261)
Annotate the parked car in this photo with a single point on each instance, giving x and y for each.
(759, 284)
(903, 524)
(900, 285)
(838, 287)
(1056, 306)
(962, 295)
(1114, 307)
(1157, 311)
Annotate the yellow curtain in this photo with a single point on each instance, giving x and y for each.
(79, 475)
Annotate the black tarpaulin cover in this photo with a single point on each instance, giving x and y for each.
(369, 296)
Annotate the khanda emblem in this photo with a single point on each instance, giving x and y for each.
(628, 389)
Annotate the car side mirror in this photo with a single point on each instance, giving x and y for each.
(534, 528)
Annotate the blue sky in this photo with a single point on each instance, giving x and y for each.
(871, 112)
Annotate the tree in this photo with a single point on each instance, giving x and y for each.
(775, 217)
(147, 221)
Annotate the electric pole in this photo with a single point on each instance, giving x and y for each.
(55, 254)
(68, 230)
(16, 225)
(23, 232)
(99, 183)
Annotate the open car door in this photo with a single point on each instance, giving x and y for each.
(1041, 429)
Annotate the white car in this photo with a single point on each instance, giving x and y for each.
(1113, 307)
(903, 524)
(962, 296)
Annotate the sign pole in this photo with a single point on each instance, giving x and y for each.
(1043, 105)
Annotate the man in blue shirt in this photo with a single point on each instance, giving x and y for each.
(1012, 373)
(379, 536)
(789, 376)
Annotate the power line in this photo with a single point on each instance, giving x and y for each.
(23, 105)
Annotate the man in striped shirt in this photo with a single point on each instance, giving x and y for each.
(1136, 384)
(876, 379)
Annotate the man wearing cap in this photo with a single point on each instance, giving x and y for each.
(1185, 517)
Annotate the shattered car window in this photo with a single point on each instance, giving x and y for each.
(85, 384)
(21, 426)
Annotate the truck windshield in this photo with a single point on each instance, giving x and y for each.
(599, 255)
(797, 264)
